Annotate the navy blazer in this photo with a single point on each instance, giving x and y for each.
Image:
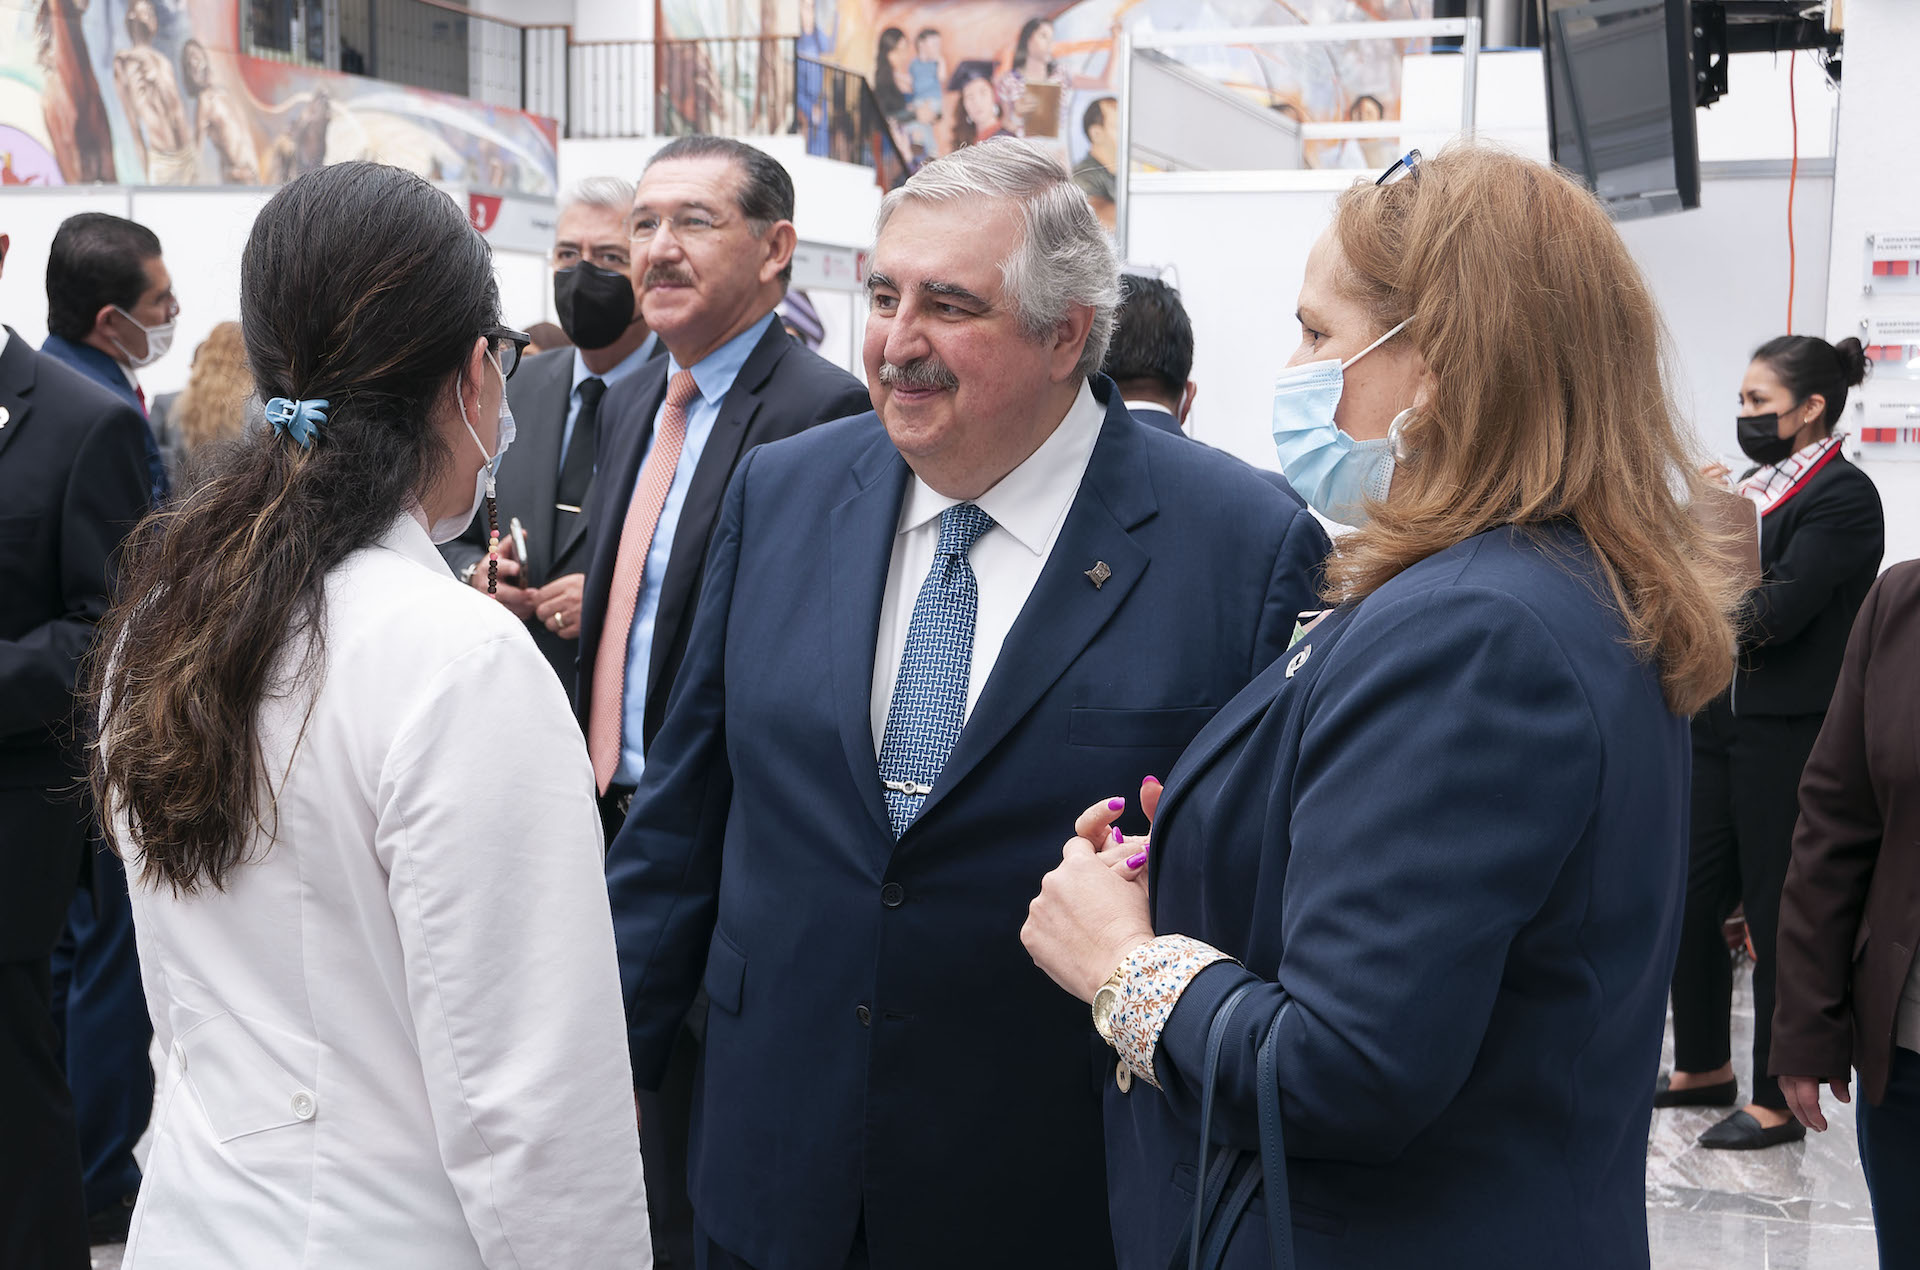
(1449, 828)
(1164, 421)
(106, 372)
(879, 1041)
(73, 483)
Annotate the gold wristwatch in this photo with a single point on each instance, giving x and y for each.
(1106, 1000)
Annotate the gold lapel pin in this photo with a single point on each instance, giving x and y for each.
(1099, 574)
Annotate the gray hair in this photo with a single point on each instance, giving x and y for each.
(608, 192)
(1063, 257)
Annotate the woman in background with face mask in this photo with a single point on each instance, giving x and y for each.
(1821, 537)
(357, 811)
(1415, 892)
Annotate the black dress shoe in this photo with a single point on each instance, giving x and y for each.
(1741, 1132)
(111, 1224)
(1721, 1095)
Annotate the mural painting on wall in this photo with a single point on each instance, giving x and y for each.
(948, 72)
(151, 92)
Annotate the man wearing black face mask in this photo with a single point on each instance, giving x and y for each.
(555, 399)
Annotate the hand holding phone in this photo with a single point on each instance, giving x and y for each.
(519, 532)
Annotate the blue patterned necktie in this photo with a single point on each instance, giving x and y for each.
(930, 693)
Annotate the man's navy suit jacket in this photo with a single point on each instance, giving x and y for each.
(880, 1043)
(1164, 421)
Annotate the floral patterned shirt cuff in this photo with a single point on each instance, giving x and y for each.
(1152, 977)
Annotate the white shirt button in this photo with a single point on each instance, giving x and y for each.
(303, 1104)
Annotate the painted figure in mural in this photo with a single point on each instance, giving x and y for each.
(980, 115)
(217, 118)
(150, 95)
(304, 145)
(893, 91)
(1095, 173)
(1029, 111)
(75, 113)
(928, 70)
(813, 49)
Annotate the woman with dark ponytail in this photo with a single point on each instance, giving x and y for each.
(1821, 536)
(358, 813)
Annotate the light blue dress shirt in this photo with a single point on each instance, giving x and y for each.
(714, 376)
(627, 365)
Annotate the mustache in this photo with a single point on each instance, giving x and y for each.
(923, 372)
(667, 275)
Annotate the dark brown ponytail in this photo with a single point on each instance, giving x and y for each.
(361, 285)
(1807, 364)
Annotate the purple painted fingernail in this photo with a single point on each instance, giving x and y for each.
(1135, 861)
(1153, 780)
(1118, 837)
(1116, 804)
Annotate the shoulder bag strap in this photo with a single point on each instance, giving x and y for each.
(1206, 1190)
(1273, 1151)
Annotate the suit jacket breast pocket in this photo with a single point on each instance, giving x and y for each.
(1164, 728)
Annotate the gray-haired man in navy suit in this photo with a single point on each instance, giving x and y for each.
(929, 636)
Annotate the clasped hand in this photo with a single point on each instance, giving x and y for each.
(1092, 910)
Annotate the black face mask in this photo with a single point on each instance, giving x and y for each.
(595, 305)
(1760, 438)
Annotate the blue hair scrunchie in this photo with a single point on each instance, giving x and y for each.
(300, 418)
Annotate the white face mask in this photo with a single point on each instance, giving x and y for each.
(1336, 474)
(447, 528)
(159, 340)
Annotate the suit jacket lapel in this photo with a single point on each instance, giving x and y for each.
(16, 383)
(704, 492)
(552, 399)
(860, 549)
(1066, 610)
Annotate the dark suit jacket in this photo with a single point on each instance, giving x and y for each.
(1849, 926)
(783, 388)
(539, 394)
(1448, 832)
(106, 372)
(1819, 552)
(879, 1040)
(73, 480)
(1165, 422)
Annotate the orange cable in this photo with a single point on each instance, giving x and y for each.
(1793, 178)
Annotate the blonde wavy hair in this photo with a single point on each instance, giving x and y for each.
(212, 407)
(1547, 401)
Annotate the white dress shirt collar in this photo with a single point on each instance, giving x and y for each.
(1031, 501)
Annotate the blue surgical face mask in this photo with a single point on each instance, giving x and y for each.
(447, 528)
(1336, 474)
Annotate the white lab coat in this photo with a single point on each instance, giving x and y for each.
(396, 1038)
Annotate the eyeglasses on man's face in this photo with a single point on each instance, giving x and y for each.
(688, 226)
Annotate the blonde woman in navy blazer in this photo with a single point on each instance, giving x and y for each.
(1442, 841)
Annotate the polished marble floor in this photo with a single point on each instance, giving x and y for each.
(1798, 1207)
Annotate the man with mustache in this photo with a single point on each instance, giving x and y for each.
(930, 636)
(712, 239)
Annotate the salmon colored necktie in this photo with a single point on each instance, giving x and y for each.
(607, 710)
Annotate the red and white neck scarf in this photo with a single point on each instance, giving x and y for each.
(1772, 484)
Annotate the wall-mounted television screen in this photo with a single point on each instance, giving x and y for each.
(1620, 100)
